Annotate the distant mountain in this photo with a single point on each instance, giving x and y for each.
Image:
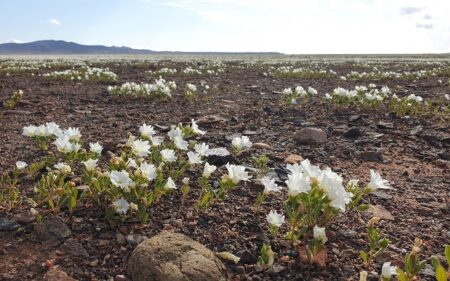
(62, 47)
(59, 47)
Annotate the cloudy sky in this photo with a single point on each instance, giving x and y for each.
(288, 26)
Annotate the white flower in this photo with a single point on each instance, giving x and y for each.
(175, 131)
(269, 184)
(21, 165)
(237, 173)
(310, 170)
(120, 179)
(180, 143)
(140, 148)
(275, 219)
(170, 184)
(121, 205)
(72, 133)
(202, 149)
(376, 182)
(131, 163)
(95, 148)
(241, 142)
(90, 164)
(447, 97)
(146, 131)
(168, 155)
(208, 170)
(298, 183)
(64, 145)
(63, 168)
(156, 140)
(194, 158)
(312, 91)
(29, 131)
(319, 234)
(387, 270)
(148, 170)
(331, 183)
(196, 129)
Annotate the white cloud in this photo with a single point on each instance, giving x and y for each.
(54, 21)
(409, 10)
(14, 41)
(424, 25)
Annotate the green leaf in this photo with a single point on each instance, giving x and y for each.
(441, 274)
(364, 256)
(447, 254)
(401, 275)
(435, 262)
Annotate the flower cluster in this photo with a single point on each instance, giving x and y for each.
(159, 89)
(85, 73)
(298, 94)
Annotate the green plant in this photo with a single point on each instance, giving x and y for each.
(377, 243)
(267, 257)
(442, 274)
(413, 263)
(14, 100)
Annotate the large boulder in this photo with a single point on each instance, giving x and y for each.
(175, 257)
(310, 136)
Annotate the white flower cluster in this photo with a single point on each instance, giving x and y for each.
(85, 73)
(161, 88)
(164, 70)
(292, 96)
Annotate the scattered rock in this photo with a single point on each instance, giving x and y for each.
(174, 256)
(385, 125)
(24, 218)
(120, 278)
(8, 225)
(74, 248)
(354, 118)
(120, 239)
(247, 257)
(209, 119)
(444, 155)
(135, 239)
(293, 158)
(381, 212)
(441, 163)
(51, 228)
(55, 274)
(432, 140)
(261, 145)
(353, 132)
(249, 133)
(310, 136)
(416, 130)
(372, 156)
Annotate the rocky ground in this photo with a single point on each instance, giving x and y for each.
(411, 153)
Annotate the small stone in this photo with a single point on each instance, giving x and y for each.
(441, 163)
(247, 257)
(372, 156)
(94, 263)
(24, 218)
(351, 133)
(120, 278)
(8, 225)
(135, 239)
(74, 248)
(250, 133)
(381, 212)
(55, 274)
(385, 125)
(120, 239)
(240, 269)
(261, 145)
(310, 136)
(52, 227)
(293, 158)
(178, 223)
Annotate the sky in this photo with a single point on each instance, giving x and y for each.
(287, 26)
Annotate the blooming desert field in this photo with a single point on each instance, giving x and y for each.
(280, 167)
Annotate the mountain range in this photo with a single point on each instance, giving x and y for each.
(59, 47)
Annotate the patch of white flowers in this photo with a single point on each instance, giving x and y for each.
(161, 88)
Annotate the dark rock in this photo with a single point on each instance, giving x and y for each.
(74, 248)
(52, 228)
(24, 218)
(432, 140)
(444, 155)
(8, 225)
(354, 118)
(219, 160)
(354, 132)
(247, 257)
(372, 156)
(310, 136)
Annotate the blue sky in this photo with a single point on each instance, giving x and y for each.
(289, 26)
